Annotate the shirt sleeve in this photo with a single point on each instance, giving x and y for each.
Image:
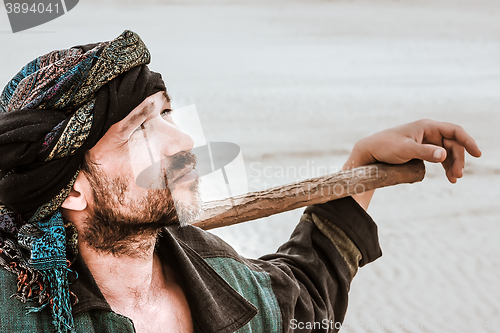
(311, 273)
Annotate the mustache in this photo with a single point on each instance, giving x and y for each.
(177, 163)
(164, 170)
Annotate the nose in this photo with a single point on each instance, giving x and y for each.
(173, 140)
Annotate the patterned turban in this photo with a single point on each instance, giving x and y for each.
(53, 111)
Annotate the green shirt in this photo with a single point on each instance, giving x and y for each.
(302, 287)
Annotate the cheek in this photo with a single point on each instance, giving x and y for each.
(148, 141)
(139, 158)
(111, 155)
(115, 162)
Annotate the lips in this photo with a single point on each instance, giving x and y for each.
(178, 178)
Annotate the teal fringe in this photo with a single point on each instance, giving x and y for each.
(56, 281)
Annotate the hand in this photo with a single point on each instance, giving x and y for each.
(426, 139)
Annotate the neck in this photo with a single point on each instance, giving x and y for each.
(125, 279)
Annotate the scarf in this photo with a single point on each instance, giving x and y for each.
(53, 111)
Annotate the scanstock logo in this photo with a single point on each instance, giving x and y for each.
(26, 14)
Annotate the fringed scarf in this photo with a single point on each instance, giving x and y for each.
(54, 110)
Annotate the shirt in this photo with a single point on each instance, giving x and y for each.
(302, 287)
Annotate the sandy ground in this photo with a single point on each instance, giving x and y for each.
(296, 84)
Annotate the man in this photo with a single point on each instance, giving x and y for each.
(94, 251)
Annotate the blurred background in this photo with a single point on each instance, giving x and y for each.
(295, 84)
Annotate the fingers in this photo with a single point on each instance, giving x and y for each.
(455, 160)
(452, 156)
(456, 141)
(429, 140)
(454, 132)
(426, 152)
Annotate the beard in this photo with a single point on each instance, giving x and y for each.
(120, 224)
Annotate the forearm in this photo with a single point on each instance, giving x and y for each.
(316, 266)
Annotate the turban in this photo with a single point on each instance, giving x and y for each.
(53, 111)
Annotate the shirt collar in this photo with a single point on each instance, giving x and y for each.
(215, 306)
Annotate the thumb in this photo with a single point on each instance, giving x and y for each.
(430, 153)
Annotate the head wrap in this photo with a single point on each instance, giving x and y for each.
(53, 111)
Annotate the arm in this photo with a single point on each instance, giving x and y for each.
(308, 279)
(336, 238)
(428, 140)
(311, 274)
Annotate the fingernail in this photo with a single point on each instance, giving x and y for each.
(438, 153)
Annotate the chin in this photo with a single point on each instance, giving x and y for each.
(187, 202)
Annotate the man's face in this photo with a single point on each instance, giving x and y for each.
(141, 175)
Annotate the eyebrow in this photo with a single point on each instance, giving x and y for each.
(136, 118)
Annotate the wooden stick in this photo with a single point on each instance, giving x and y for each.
(280, 199)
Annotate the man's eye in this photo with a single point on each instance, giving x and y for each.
(166, 112)
(166, 115)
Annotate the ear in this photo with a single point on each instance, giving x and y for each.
(77, 198)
